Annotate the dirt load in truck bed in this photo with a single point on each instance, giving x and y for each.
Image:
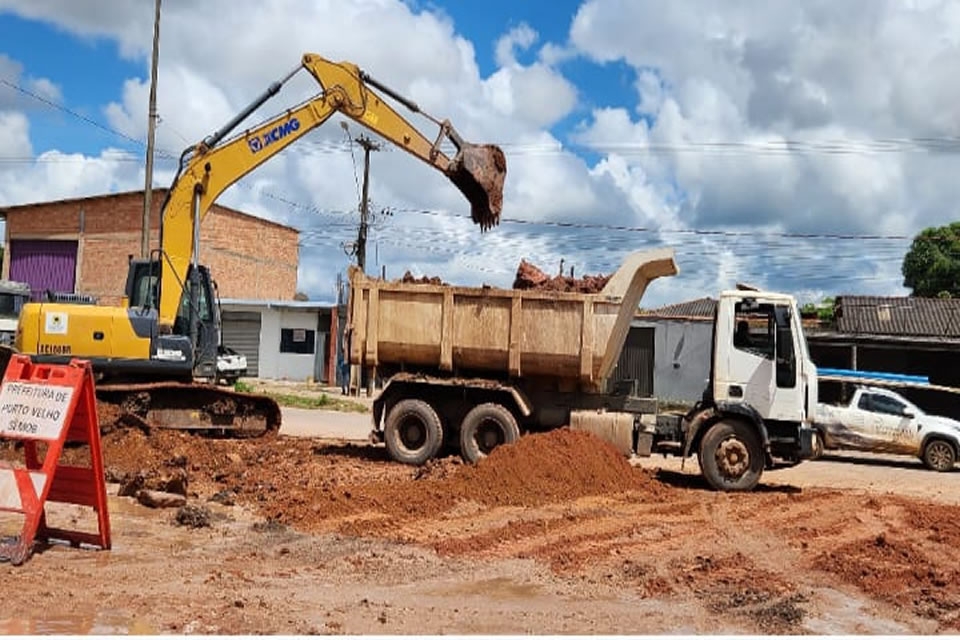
(778, 560)
(530, 276)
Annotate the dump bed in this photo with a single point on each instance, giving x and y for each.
(503, 332)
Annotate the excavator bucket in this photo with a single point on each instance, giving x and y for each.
(478, 171)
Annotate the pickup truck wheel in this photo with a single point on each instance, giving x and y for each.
(939, 455)
(412, 432)
(485, 428)
(730, 456)
(817, 445)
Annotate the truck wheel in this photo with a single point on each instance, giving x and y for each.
(730, 456)
(485, 428)
(939, 455)
(412, 432)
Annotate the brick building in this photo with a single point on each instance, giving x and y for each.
(82, 245)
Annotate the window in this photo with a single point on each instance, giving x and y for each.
(887, 405)
(182, 323)
(297, 340)
(754, 329)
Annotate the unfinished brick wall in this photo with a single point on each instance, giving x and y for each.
(248, 257)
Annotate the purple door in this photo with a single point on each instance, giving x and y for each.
(44, 264)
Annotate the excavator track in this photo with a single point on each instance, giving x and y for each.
(180, 405)
(189, 406)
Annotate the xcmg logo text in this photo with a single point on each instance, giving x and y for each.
(257, 143)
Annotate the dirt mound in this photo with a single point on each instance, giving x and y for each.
(530, 276)
(323, 486)
(901, 573)
(539, 469)
(549, 467)
(409, 278)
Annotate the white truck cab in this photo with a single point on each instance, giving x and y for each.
(759, 402)
(761, 358)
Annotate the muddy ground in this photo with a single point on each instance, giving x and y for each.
(557, 534)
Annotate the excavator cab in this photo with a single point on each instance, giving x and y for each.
(141, 291)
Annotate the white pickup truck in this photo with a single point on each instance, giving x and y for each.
(882, 421)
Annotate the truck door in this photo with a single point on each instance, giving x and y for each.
(750, 364)
(787, 402)
(862, 424)
(895, 424)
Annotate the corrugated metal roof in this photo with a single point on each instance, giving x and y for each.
(699, 308)
(899, 316)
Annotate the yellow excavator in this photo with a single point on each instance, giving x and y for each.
(148, 352)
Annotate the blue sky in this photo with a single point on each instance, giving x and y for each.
(612, 134)
(90, 71)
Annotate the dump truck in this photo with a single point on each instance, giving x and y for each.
(473, 367)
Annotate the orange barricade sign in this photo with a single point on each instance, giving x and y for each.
(51, 405)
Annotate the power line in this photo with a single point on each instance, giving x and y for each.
(928, 144)
(688, 231)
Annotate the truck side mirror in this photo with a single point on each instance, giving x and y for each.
(908, 414)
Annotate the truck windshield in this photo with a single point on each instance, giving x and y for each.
(10, 305)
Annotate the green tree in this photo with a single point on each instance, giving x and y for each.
(825, 310)
(932, 265)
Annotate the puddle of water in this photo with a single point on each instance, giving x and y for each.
(842, 614)
(501, 588)
(102, 623)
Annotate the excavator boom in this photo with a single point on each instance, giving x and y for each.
(211, 166)
(146, 341)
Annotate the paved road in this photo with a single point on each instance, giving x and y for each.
(901, 475)
(317, 423)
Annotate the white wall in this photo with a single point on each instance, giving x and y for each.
(292, 366)
(681, 358)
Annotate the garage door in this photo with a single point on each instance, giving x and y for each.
(241, 332)
(44, 265)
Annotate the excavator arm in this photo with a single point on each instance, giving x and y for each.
(210, 167)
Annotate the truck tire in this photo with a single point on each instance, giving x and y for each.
(412, 432)
(485, 428)
(731, 458)
(939, 455)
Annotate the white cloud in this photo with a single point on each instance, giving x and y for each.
(753, 74)
(57, 175)
(12, 71)
(14, 131)
(521, 36)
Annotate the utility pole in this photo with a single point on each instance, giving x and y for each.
(368, 146)
(151, 133)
